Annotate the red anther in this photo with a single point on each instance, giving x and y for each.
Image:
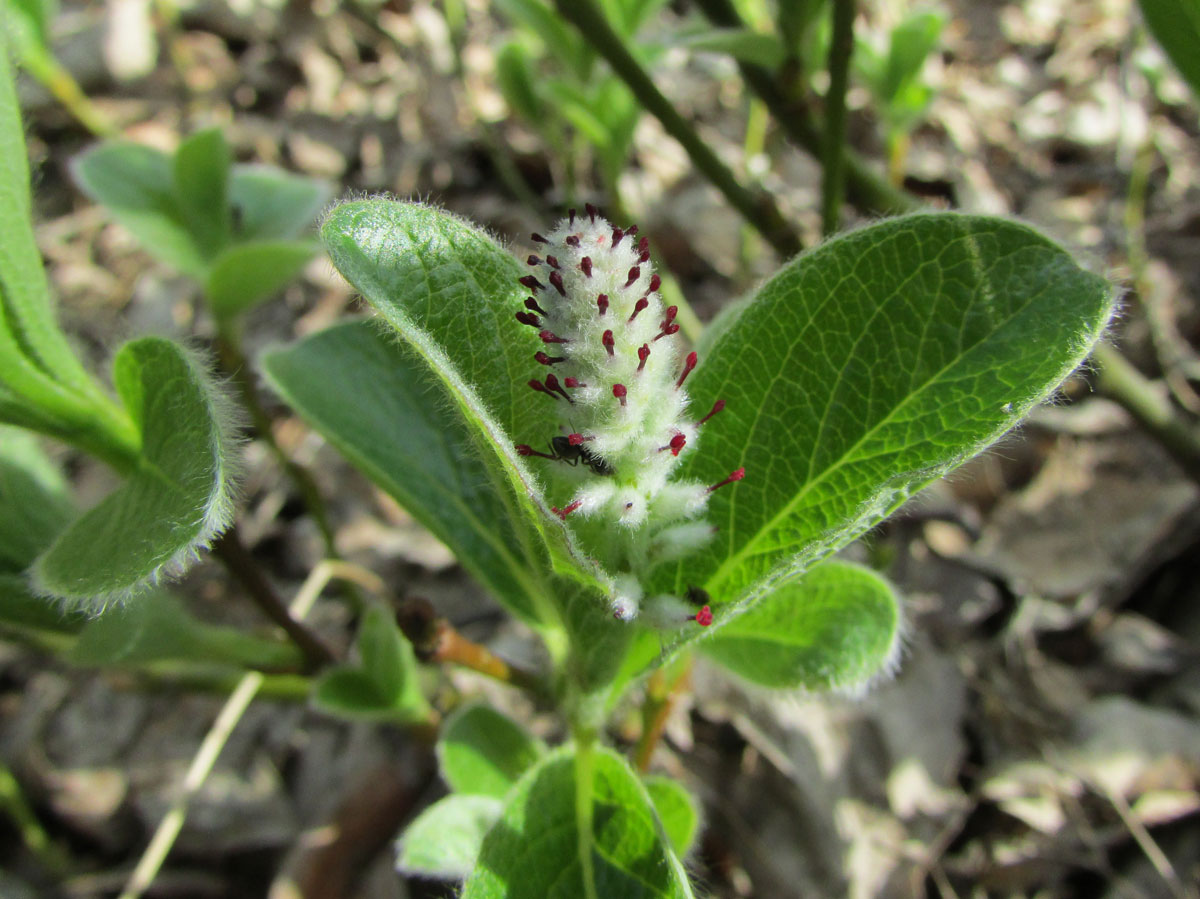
(585, 265)
(670, 315)
(571, 216)
(631, 230)
(655, 283)
(541, 388)
(576, 439)
(552, 384)
(616, 237)
(643, 245)
(563, 513)
(643, 355)
(532, 283)
(571, 240)
(524, 449)
(534, 260)
(668, 330)
(591, 211)
(537, 238)
(557, 281)
(736, 475)
(644, 256)
(634, 274)
(548, 360)
(574, 382)
(602, 303)
(607, 339)
(619, 392)
(677, 443)
(704, 617)
(550, 337)
(638, 307)
(528, 318)
(688, 364)
(532, 305)
(552, 261)
(717, 407)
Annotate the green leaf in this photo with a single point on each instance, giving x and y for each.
(1175, 24)
(867, 368)
(516, 80)
(20, 610)
(35, 503)
(837, 627)
(677, 811)
(377, 403)
(200, 173)
(911, 43)
(177, 501)
(384, 685)
(158, 628)
(243, 276)
(445, 839)
(451, 292)
(483, 752)
(743, 44)
(537, 850)
(558, 37)
(136, 185)
(268, 204)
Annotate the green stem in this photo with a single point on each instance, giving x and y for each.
(1120, 381)
(757, 208)
(833, 166)
(66, 90)
(13, 802)
(865, 189)
(585, 774)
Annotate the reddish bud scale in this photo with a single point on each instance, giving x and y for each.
(717, 407)
(608, 341)
(638, 307)
(619, 392)
(688, 364)
(585, 266)
(602, 303)
(556, 279)
(643, 355)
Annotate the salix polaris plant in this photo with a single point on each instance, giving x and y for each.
(545, 421)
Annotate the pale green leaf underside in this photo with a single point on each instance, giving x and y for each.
(483, 752)
(172, 506)
(381, 407)
(445, 839)
(836, 627)
(868, 367)
(677, 810)
(35, 502)
(244, 276)
(535, 850)
(451, 293)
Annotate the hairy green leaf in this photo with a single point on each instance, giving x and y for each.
(483, 752)
(380, 406)
(268, 204)
(177, 501)
(200, 172)
(444, 840)
(867, 368)
(837, 627)
(677, 810)
(247, 274)
(35, 503)
(537, 850)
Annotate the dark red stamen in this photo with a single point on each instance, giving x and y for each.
(607, 339)
(552, 261)
(550, 337)
(541, 388)
(736, 475)
(655, 283)
(585, 265)
(528, 318)
(524, 449)
(534, 260)
(537, 238)
(677, 443)
(557, 281)
(643, 355)
(638, 307)
(548, 360)
(552, 384)
(571, 216)
(616, 237)
(563, 513)
(532, 283)
(602, 302)
(631, 230)
(643, 245)
(717, 407)
(634, 274)
(668, 330)
(571, 240)
(576, 439)
(670, 315)
(574, 382)
(644, 256)
(591, 211)
(619, 392)
(688, 364)
(532, 305)
(704, 617)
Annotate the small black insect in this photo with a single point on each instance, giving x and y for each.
(574, 453)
